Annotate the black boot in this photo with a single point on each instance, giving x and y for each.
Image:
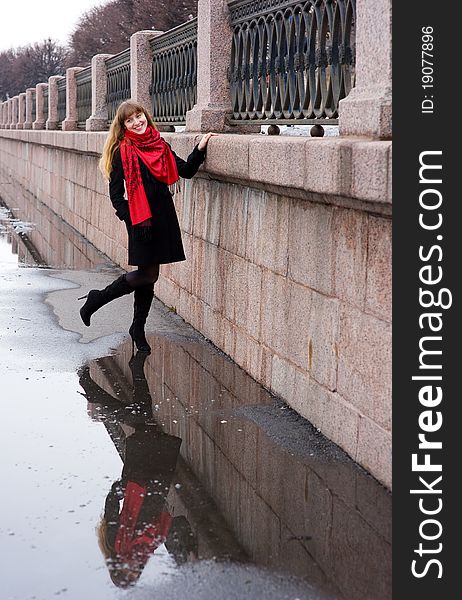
(93, 392)
(136, 365)
(142, 399)
(98, 298)
(142, 305)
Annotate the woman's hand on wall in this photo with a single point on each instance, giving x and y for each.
(204, 141)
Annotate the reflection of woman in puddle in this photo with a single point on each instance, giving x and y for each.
(137, 518)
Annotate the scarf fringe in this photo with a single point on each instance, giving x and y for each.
(175, 187)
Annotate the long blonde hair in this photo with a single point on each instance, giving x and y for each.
(117, 131)
(117, 571)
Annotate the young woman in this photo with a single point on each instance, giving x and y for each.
(135, 153)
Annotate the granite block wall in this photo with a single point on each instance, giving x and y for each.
(288, 271)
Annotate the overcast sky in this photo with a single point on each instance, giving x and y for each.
(27, 21)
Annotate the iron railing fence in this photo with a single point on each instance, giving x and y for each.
(45, 104)
(174, 73)
(118, 81)
(61, 85)
(34, 105)
(83, 82)
(292, 61)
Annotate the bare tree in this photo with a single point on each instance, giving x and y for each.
(26, 66)
(7, 58)
(102, 29)
(107, 28)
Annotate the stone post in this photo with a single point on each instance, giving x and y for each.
(28, 121)
(8, 114)
(141, 66)
(22, 111)
(52, 121)
(39, 122)
(14, 112)
(71, 120)
(214, 37)
(2, 115)
(99, 113)
(366, 111)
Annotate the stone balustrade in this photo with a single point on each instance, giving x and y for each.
(366, 110)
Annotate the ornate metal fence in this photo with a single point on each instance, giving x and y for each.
(45, 104)
(118, 81)
(61, 85)
(174, 67)
(291, 60)
(83, 81)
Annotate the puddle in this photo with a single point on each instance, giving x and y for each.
(254, 481)
(41, 238)
(173, 473)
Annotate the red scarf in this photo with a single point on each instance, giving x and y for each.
(158, 158)
(134, 545)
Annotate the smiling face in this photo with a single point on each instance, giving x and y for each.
(136, 122)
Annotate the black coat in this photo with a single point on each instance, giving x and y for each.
(163, 244)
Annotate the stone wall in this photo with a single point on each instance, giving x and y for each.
(288, 270)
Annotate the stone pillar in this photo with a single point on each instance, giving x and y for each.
(366, 111)
(214, 37)
(99, 113)
(71, 120)
(11, 119)
(28, 121)
(14, 111)
(141, 66)
(39, 122)
(2, 115)
(8, 114)
(22, 111)
(52, 121)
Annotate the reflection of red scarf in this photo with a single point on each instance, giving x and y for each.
(158, 158)
(139, 545)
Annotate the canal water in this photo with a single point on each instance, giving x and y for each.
(173, 473)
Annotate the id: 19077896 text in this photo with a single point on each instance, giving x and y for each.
(426, 69)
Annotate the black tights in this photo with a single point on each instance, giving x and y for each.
(143, 276)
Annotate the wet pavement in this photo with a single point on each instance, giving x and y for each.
(172, 473)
